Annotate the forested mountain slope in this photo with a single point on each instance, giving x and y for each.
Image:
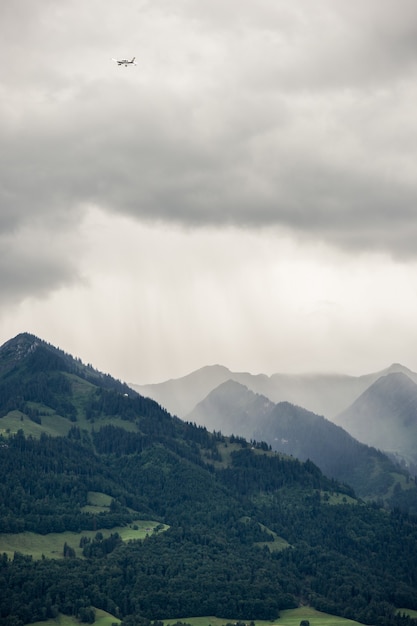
(385, 416)
(251, 532)
(293, 430)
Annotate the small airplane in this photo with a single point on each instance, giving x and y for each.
(125, 62)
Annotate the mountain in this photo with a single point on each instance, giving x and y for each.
(333, 396)
(324, 394)
(43, 389)
(242, 532)
(180, 395)
(385, 416)
(234, 409)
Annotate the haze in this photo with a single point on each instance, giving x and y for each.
(245, 195)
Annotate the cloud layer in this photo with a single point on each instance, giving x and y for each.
(285, 120)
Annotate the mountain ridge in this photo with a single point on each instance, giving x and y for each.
(385, 416)
(293, 430)
(324, 394)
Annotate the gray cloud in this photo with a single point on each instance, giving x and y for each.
(36, 260)
(252, 115)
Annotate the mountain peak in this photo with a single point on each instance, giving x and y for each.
(393, 383)
(396, 368)
(21, 343)
(17, 349)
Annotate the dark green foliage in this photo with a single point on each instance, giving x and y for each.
(86, 615)
(33, 371)
(45, 484)
(350, 560)
(110, 402)
(251, 472)
(68, 552)
(355, 561)
(49, 388)
(100, 547)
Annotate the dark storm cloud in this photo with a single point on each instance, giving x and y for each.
(299, 117)
(291, 122)
(35, 261)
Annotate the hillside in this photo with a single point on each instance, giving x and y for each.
(332, 396)
(385, 416)
(247, 532)
(234, 409)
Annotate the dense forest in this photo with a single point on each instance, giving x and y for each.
(226, 502)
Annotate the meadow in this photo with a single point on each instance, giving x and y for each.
(409, 612)
(102, 619)
(51, 545)
(291, 617)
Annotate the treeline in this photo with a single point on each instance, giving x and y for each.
(45, 484)
(186, 440)
(202, 571)
(130, 407)
(250, 473)
(52, 389)
(353, 560)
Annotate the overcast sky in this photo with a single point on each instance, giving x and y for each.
(246, 195)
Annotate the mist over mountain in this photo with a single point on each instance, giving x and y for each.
(385, 416)
(324, 394)
(234, 409)
(180, 395)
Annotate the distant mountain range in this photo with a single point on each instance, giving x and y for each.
(324, 394)
(379, 409)
(235, 410)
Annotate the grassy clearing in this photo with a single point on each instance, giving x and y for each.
(97, 502)
(51, 545)
(291, 617)
(288, 618)
(276, 544)
(102, 619)
(52, 424)
(316, 618)
(409, 612)
(336, 498)
(55, 425)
